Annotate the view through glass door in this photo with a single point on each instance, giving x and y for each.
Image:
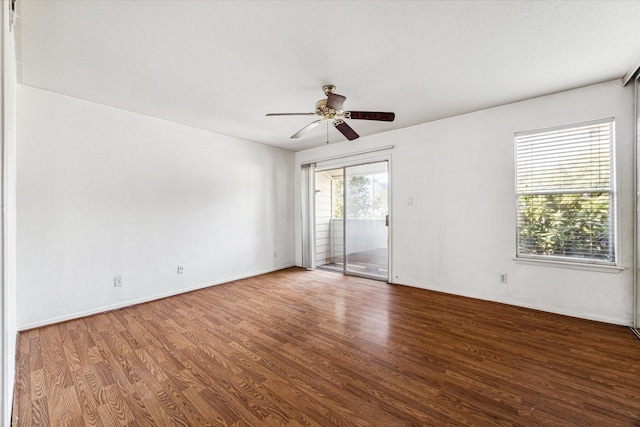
(359, 194)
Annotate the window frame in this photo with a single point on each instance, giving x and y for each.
(593, 264)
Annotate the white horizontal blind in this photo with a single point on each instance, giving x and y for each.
(565, 192)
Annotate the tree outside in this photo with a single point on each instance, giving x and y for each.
(366, 198)
(570, 225)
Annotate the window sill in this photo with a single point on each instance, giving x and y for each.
(614, 269)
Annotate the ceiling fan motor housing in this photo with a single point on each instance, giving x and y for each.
(324, 111)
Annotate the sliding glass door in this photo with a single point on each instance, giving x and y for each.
(366, 228)
(351, 219)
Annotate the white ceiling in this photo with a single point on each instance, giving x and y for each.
(221, 65)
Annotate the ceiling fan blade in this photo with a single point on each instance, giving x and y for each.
(335, 101)
(369, 115)
(290, 114)
(346, 130)
(306, 129)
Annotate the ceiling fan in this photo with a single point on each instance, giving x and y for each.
(330, 109)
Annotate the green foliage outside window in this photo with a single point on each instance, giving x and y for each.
(365, 200)
(568, 225)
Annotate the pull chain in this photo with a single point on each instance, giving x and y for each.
(327, 131)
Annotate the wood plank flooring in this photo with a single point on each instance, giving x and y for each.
(315, 348)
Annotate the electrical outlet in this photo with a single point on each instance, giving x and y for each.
(180, 269)
(503, 277)
(117, 281)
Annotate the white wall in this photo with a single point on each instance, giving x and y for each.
(104, 192)
(8, 322)
(459, 234)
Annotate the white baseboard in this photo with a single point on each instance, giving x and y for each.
(549, 309)
(84, 313)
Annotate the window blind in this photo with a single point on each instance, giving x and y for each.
(565, 192)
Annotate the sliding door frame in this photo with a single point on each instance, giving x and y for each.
(341, 163)
(307, 187)
(636, 260)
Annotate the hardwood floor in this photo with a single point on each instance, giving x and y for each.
(316, 348)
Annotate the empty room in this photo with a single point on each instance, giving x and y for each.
(335, 213)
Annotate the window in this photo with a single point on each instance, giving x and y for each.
(565, 193)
